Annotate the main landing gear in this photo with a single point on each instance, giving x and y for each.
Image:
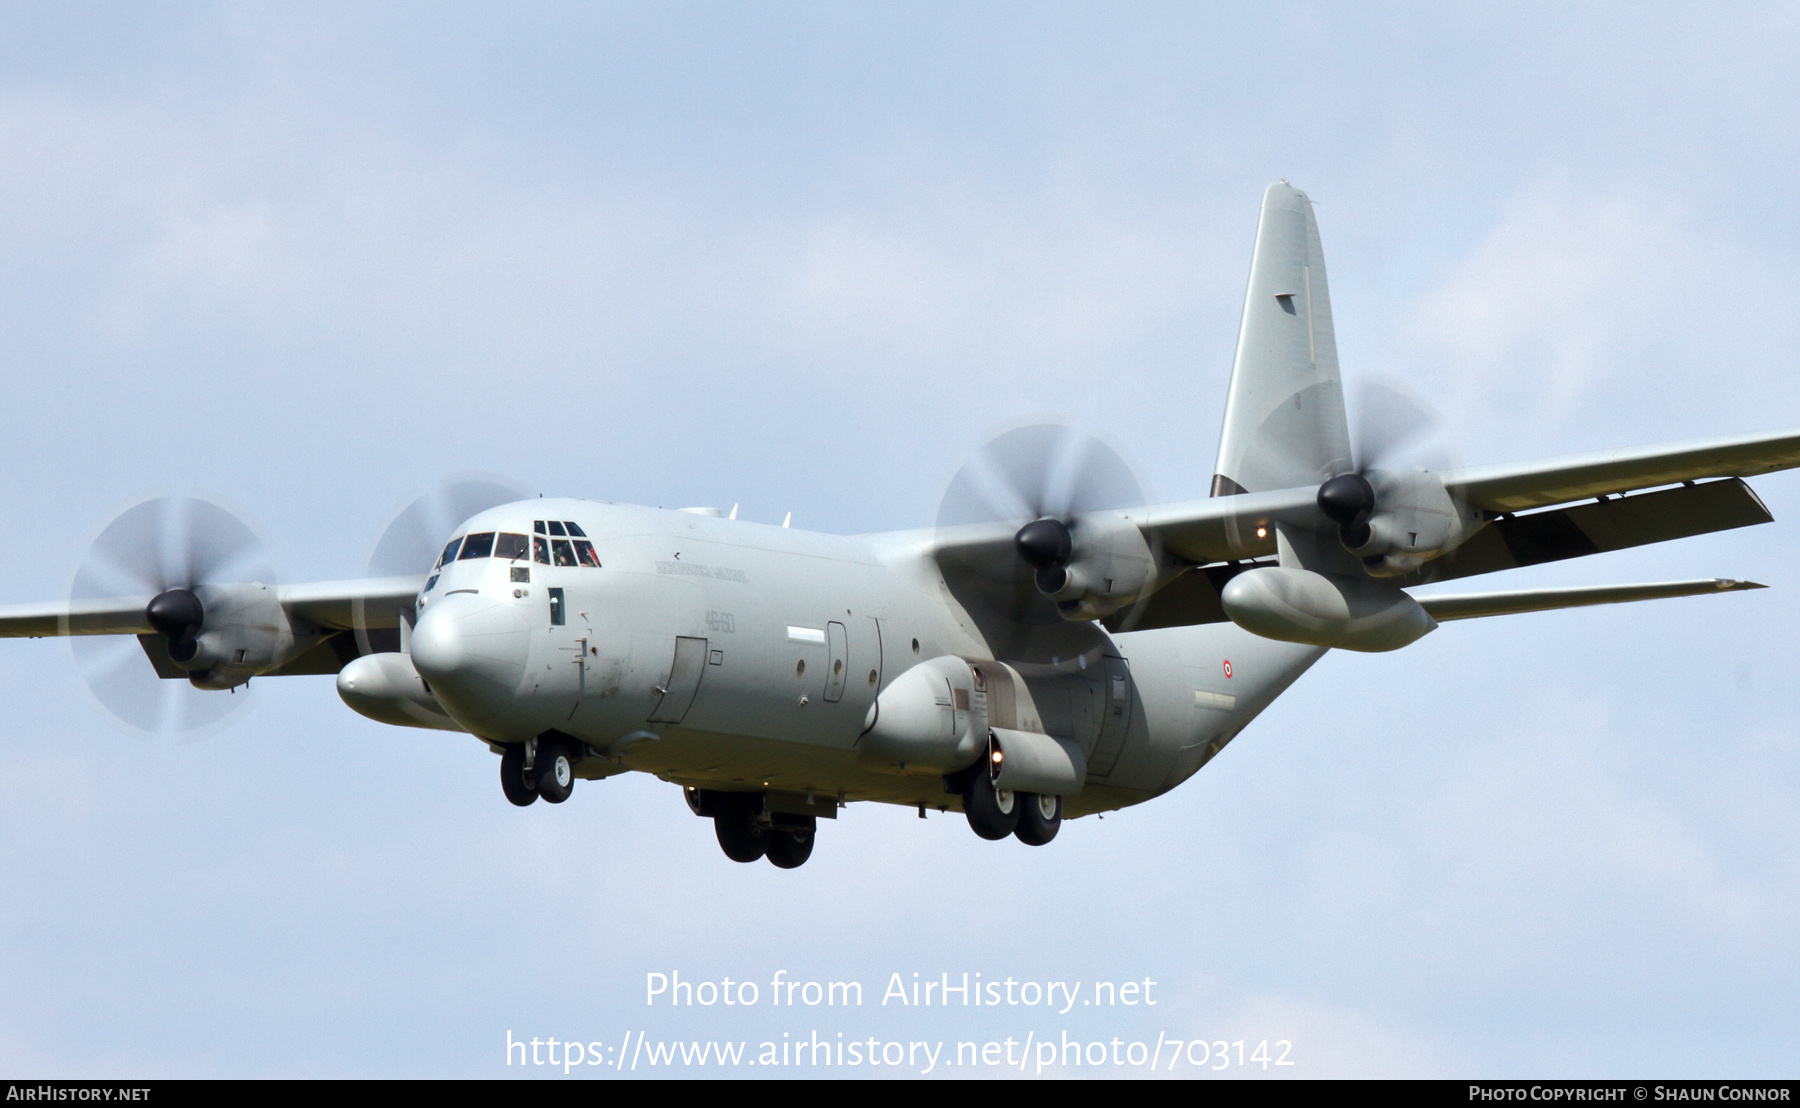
(994, 813)
(541, 767)
(747, 832)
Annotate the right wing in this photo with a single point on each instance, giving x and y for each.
(362, 615)
(1516, 486)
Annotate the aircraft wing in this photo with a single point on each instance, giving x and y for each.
(118, 616)
(373, 602)
(1517, 486)
(1473, 605)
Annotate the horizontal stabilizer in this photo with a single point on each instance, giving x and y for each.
(1472, 605)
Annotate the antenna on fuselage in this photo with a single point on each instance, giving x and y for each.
(733, 514)
(787, 519)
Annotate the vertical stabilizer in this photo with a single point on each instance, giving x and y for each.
(1284, 418)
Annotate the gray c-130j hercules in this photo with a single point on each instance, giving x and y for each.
(1054, 651)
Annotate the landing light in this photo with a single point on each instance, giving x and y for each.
(1262, 532)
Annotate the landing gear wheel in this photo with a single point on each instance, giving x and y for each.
(993, 813)
(1040, 818)
(555, 772)
(513, 781)
(790, 849)
(741, 836)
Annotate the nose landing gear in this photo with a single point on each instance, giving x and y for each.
(549, 774)
(515, 781)
(746, 831)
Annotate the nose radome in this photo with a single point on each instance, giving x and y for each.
(472, 652)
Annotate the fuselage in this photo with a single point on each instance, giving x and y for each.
(733, 655)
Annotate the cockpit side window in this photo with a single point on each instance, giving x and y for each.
(584, 550)
(540, 550)
(449, 554)
(477, 546)
(565, 554)
(510, 546)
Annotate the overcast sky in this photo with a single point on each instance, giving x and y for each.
(307, 260)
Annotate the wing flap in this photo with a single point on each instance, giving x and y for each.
(1475, 605)
(1617, 523)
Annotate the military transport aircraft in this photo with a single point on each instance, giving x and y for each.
(1049, 649)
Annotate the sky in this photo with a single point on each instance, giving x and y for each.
(307, 261)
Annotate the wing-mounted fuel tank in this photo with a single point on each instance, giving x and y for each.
(1324, 609)
(223, 635)
(386, 688)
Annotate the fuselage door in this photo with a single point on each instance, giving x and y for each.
(838, 664)
(685, 672)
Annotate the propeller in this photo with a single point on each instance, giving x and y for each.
(164, 548)
(415, 534)
(1038, 479)
(1389, 424)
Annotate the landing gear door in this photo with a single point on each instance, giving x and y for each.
(1115, 719)
(685, 672)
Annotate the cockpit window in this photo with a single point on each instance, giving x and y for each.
(575, 530)
(432, 583)
(538, 527)
(477, 546)
(510, 546)
(449, 554)
(556, 528)
(540, 550)
(565, 554)
(584, 550)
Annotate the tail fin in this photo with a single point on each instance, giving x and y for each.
(1284, 419)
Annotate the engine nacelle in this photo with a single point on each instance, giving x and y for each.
(1111, 567)
(1324, 609)
(1418, 520)
(387, 689)
(244, 631)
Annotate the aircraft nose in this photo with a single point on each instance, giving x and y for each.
(472, 652)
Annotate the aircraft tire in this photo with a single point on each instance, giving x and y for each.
(993, 813)
(512, 776)
(555, 770)
(741, 837)
(1036, 825)
(790, 849)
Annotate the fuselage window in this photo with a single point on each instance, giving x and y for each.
(511, 547)
(477, 546)
(564, 553)
(449, 554)
(556, 528)
(540, 550)
(584, 550)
